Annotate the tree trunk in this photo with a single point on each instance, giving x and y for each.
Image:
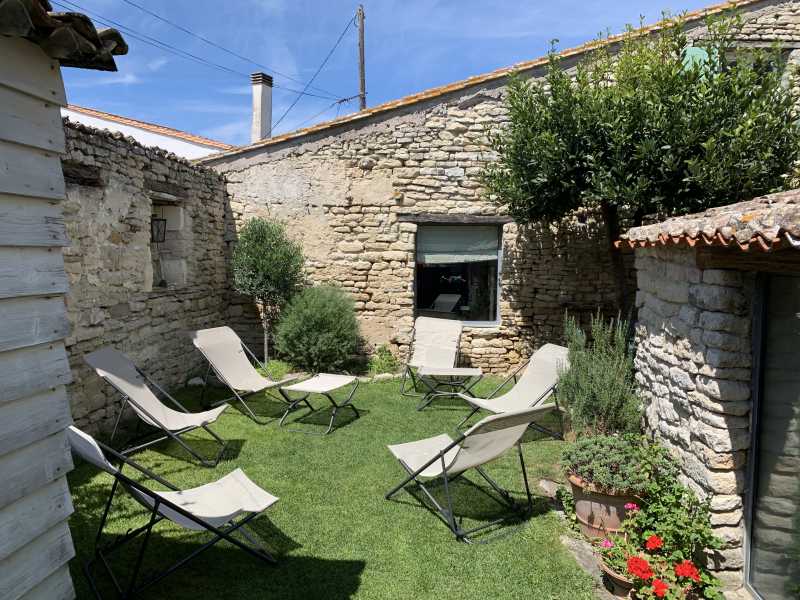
(265, 325)
(611, 220)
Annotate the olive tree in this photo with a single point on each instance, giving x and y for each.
(268, 266)
(652, 126)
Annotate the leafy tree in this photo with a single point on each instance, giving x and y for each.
(657, 128)
(268, 266)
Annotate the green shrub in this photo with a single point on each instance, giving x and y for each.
(609, 463)
(276, 369)
(598, 389)
(318, 330)
(383, 361)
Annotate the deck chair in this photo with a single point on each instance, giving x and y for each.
(533, 387)
(434, 355)
(118, 370)
(228, 360)
(221, 508)
(445, 458)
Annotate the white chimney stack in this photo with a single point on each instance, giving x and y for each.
(262, 107)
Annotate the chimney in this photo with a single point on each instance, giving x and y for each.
(262, 107)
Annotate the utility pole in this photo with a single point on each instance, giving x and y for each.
(362, 84)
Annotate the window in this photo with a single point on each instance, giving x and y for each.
(774, 521)
(457, 272)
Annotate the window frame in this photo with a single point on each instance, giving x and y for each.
(474, 324)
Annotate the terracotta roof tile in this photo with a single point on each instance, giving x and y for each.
(160, 129)
(761, 224)
(471, 81)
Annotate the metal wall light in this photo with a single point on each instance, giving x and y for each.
(158, 230)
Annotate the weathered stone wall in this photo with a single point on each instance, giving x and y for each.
(112, 184)
(693, 362)
(341, 195)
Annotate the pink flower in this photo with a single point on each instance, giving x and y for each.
(632, 506)
(606, 543)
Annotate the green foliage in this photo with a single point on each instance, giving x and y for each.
(276, 369)
(318, 330)
(598, 388)
(383, 361)
(266, 264)
(615, 464)
(647, 130)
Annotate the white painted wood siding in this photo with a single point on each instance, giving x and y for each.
(35, 543)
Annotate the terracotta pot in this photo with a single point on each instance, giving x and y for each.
(599, 514)
(615, 583)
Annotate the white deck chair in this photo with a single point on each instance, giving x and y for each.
(227, 357)
(118, 370)
(222, 508)
(533, 387)
(434, 355)
(446, 458)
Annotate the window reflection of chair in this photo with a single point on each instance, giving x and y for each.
(445, 302)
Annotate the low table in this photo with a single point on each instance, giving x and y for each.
(456, 379)
(323, 384)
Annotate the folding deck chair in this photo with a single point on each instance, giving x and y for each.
(434, 355)
(214, 507)
(118, 370)
(445, 458)
(227, 358)
(533, 388)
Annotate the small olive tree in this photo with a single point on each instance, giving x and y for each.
(659, 127)
(268, 266)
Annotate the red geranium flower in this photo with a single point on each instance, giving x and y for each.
(639, 567)
(687, 569)
(654, 542)
(659, 588)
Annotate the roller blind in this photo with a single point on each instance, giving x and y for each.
(447, 244)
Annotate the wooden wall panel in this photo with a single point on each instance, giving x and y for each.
(30, 121)
(31, 272)
(29, 371)
(28, 221)
(32, 321)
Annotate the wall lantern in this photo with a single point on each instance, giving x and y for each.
(158, 230)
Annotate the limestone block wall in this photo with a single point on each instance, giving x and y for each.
(693, 363)
(112, 185)
(342, 195)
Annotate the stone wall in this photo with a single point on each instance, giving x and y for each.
(342, 195)
(112, 186)
(693, 362)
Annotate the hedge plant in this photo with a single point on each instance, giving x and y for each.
(318, 330)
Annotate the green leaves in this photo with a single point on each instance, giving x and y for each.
(660, 127)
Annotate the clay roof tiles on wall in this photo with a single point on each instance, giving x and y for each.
(159, 129)
(71, 38)
(761, 224)
(474, 80)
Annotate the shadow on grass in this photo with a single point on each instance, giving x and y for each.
(321, 417)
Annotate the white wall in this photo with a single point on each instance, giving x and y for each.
(178, 146)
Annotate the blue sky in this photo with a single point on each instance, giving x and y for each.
(411, 45)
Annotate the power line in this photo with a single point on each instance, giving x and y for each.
(218, 46)
(173, 49)
(337, 104)
(321, 66)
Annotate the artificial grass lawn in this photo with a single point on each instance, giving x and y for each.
(333, 532)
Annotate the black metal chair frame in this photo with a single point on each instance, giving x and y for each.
(173, 435)
(236, 395)
(446, 514)
(294, 404)
(102, 551)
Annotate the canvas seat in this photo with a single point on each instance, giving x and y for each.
(442, 457)
(134, 386)
(533, 387)
(222, 508)
(230, 361)
(432, 365)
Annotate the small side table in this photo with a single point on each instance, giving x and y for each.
(323, 384)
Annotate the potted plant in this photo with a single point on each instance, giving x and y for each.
(607, 476)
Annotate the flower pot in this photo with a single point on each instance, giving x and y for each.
(615, 583)
(599, 514)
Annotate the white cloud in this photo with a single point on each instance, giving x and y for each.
(103, 79)
(233, 132)
(157, 64)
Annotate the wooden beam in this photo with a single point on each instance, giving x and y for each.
(31, 419)
(31, 271)
(57, 586)
(28, 371)
(778, 261)
(27, 171)
(453, 219)
(29, 468)
(30, 121)
(32, 321)
(25, 67)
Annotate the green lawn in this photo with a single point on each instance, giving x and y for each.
(334, 533)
